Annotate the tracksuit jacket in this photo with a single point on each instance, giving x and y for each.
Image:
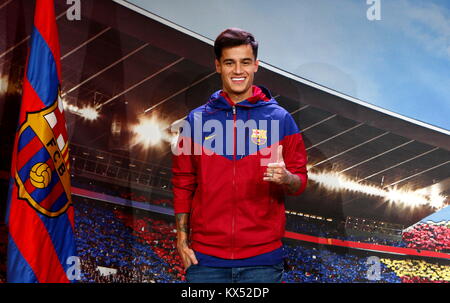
(234, 213)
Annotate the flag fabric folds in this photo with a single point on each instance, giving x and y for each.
(40, 215)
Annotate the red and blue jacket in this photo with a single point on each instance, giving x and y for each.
(222, 153)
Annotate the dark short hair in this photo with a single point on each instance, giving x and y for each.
(234, 37)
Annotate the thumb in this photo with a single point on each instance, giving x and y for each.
(280, 154)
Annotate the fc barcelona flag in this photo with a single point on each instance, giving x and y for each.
(40, 214)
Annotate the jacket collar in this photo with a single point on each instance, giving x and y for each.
(261, 96)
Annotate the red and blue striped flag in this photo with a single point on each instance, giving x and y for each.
(40, 214)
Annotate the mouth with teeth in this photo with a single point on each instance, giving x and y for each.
(238, 80)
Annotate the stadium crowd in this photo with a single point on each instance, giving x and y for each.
(140, 247)
(419, 271)
(300, 224)
(104, 240)
(158, 234)
(434, 237)
(335, 230)
(309, 265)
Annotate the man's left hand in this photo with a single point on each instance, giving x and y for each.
(277, 173)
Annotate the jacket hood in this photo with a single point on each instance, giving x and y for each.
(220, 100)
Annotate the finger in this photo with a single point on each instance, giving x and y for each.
(280, 154)
(276, 171)
(185, 260)
(268, 174)
(272, 174)
(192, 257)
(270, 171)
(275, 165)
(272, 179)
(187, 263)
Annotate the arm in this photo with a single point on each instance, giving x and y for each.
(187, 255)
(184, 184)
(292, 183)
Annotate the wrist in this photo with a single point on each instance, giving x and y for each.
(182, 243)
(293, 183)
(289, 179)
(181, 235)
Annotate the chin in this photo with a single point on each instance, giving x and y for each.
(239, 91)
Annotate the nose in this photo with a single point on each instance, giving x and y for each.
(237, 68)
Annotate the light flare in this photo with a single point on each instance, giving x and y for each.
(87, 112)
(334, 181)
(150, 132)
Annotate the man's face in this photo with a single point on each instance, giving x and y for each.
(237, 67)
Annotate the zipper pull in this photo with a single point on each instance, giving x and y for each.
(234, 110)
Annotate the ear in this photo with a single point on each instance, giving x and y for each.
(218, 67)
(256, 65)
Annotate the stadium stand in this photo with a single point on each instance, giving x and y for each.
(301, 224)
(104, 240)
(141, 247)
(334, 229)
(429, 236)
(124, 192)
(323, 266)
(158, 234)
(104, 166)
(419, 271)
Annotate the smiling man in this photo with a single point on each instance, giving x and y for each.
(229, 207)
(237, 66)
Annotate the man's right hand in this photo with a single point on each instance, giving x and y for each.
(187, 255)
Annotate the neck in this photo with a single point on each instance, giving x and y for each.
(236, 98)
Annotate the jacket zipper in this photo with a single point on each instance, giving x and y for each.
(234, 182)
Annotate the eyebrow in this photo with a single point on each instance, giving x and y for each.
(232, 60)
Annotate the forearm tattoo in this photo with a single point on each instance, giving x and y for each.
(182, 221)
(294, 184)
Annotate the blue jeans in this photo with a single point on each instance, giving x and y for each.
(247, 274)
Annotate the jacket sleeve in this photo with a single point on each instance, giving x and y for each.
(294, 153)
(184, 175)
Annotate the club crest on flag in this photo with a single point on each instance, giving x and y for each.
(43, 160)
(259, 136)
